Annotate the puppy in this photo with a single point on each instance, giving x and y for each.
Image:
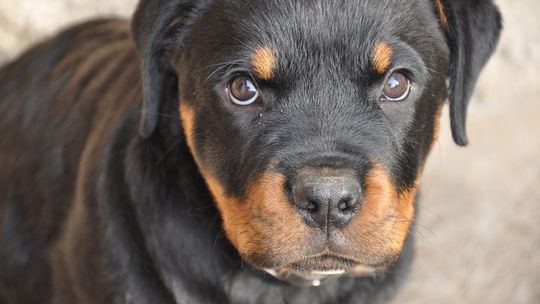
(229, 151)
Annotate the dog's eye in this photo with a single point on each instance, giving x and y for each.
(396, 87)
(243, 91)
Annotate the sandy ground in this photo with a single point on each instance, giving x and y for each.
(479, 231)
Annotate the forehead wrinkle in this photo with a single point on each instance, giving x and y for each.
(223, 67)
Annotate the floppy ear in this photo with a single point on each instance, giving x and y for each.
(472, 29)
(157, 27)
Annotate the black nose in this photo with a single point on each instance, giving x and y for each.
(327, 201)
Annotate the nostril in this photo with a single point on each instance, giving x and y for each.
(345, 205)
(312, 207)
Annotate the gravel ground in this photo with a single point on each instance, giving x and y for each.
(478, 237)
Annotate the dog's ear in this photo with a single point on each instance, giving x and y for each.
(472, 29)
(157, 27)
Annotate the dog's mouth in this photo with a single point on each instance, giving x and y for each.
(324, 263)
(314, 271)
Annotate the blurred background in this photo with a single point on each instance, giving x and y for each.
(478, 235)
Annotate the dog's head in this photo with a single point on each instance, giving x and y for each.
(310, 121)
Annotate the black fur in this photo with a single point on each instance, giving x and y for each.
(474, 28)
(100, 198)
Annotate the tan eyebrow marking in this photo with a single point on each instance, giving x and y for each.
(382, 57)
(263, 61)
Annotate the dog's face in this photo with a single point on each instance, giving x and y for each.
(301, 116)
(310, 122)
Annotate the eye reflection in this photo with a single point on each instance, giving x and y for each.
(396, 88)
(243, 91)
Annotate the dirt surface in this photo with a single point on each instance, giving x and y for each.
(478, 237)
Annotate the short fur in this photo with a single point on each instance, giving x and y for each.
(108, 196)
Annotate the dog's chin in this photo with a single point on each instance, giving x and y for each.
(328, 263)
(314, 271)
(323, 263)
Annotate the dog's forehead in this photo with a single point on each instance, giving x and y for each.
(299, 30)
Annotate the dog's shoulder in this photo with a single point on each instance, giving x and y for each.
(65, 72)
(61, 103)
(52, 94)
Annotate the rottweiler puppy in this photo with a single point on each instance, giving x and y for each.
(226, 151)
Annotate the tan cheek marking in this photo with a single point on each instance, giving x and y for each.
(442, 14)
(281, 229)
(263, 61)
(387, 215)
(225, 203)
(382, 57)
(227, 206)
(268, 198)
(436, 126)
(187, 115)
(405, 210)
(380, 195)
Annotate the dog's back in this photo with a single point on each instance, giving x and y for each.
(48, 107)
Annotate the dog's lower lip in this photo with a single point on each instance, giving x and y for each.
(324, 263)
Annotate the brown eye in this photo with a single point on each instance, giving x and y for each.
(396, 87)
(243, 91)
